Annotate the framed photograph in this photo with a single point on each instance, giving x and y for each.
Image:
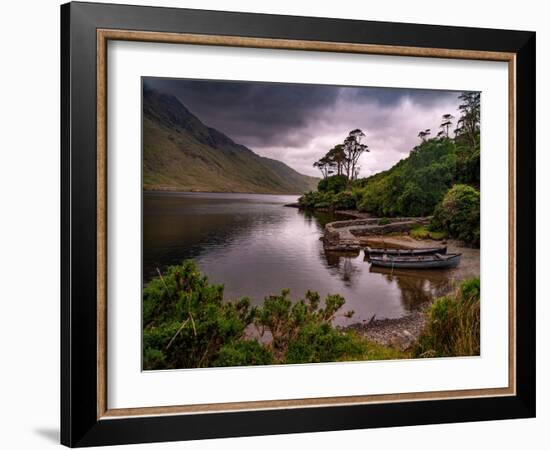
(276, 224)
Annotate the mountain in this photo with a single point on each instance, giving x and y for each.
(181, 153)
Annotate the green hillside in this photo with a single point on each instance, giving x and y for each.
(181, 153)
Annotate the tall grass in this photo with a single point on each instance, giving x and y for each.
(453, 326)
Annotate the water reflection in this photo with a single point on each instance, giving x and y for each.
(256, 247)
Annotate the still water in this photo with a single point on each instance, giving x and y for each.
(255, 247)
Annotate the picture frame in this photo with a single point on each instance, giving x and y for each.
(86, 29)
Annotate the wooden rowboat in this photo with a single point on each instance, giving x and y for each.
(435, 261)
(405, 251)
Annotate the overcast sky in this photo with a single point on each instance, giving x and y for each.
(298, 123)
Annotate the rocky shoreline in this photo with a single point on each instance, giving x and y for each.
(401, 333)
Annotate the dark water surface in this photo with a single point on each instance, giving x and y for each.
(255, 247)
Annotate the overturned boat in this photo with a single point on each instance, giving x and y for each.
(435, 261)
(405, 251)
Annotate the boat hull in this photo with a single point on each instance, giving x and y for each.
(417, 263)
(405, 252)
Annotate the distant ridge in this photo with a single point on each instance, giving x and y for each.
(181, 153)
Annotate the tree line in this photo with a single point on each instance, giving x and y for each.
(418, 184)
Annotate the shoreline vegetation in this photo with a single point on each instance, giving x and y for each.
(187, 323)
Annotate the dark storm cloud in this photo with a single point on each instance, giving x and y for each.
(254, 114)
(394, 96)
(298, 123)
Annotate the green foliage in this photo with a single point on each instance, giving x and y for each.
(284, 320)
(414, 185)
(384, 221)
(185, 320)
(334, 184)
(244, 353)
(327, 200)
(187, 323)
(453, 326)
(421, 232)
(322, 343)
(344, 200)
(302, 332)
(458, 214)
(468, 164)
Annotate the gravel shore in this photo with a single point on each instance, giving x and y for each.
(399, 333)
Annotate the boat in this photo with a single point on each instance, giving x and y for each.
(435, 261)
(405, 251)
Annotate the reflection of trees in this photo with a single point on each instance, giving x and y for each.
(341, 264)
(319, 217)
(415, 286)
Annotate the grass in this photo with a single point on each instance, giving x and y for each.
(453, 326)
(422, 232)
(377, 352)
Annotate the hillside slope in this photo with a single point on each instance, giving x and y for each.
(417, 183)
(181, 153)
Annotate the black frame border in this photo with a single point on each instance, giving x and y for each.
(79, 423)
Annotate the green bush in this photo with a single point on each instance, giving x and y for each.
(327, 200)
(322, 343)
(244, 353)
(187, 323)
(344, 200)
(453, 325)
(458, 214)
(316, 199)
(334, 184)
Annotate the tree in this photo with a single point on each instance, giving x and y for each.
(337, 156)
(353, 148)
(445, 124)
(424, 134)
(324, 165)
(468, 123)
(458, 214)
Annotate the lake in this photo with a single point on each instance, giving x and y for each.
(256, 246)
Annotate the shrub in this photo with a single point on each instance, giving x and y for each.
(244, 353)
(322, 343)
(334, 184)
(458, 214)
(187, 323)
(384, 221)
(453, 325)
(316, 200)
(344, 200)
(327, 200)
(421, 232)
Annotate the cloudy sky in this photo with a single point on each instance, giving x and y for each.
(298, 123)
